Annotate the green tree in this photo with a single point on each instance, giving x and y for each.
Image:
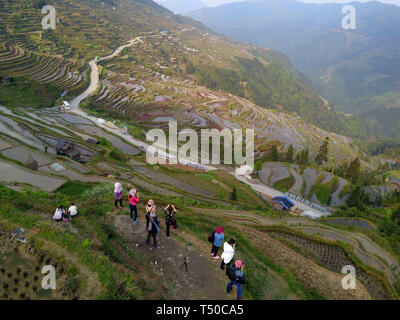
(289, 154)
(234, 195)
(323, 153)
(357, 199)
(396, 216)
(273, 153)
(353, 170)
(303, 157)
(190, 67)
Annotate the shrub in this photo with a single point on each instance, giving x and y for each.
(99, 191)
(118, 156)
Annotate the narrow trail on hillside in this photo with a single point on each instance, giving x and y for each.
(203, 280)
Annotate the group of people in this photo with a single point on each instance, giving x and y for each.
(133, 199)
(61, 214)
(152, 222)
(234, 271)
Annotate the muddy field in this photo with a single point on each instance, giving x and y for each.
(20, 273)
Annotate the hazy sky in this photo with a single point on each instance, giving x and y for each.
(213, 3)
(397, 2)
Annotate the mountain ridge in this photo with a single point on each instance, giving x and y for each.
(353, 69)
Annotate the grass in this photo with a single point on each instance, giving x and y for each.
(22, 92)
(285, 184)
(75, 189)
(105, 258)
(118, 285)
(260, 281)
(324, 191)
(345, 190)
(206, 180)
(347, 248)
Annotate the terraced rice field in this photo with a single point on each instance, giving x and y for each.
(334, 258)
(21, 277)
(22, 154)
(351, 222)
(11, 173)
(19, 61)
(336, 200)
(304, 182)
(118, 143)
(166, 179)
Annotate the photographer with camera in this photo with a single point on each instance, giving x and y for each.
(236, 278)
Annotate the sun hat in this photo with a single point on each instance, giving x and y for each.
(238, 263)
(132, 192)
(117, 187)
(219, 230)
(150, 202)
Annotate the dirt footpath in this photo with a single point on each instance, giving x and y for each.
(203, 279)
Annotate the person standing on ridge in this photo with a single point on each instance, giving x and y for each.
(218, 238)
(149, 206)
(170, 213)
(236, 278)
(152, 227)
(133, 197)
(118, 194)
(227, 255)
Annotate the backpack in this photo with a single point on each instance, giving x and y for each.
(158, 228)
(235, 275)
(231, 272)
(211, 237)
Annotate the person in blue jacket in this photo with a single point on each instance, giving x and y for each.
(218, 238)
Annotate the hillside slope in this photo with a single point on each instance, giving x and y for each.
(356, 70)
(263, 76)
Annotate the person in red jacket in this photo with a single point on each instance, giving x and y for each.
(133, 197)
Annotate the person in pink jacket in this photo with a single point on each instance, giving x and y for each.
(133, 197)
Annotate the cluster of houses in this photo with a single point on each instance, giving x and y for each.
(67, 148)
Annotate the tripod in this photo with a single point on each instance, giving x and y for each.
(184, 264)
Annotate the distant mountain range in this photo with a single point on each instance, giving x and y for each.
(182, 6)
(356, 70)
(263, 76)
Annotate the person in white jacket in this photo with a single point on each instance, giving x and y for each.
(227, 255)
(72, 211)
(59, 214)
